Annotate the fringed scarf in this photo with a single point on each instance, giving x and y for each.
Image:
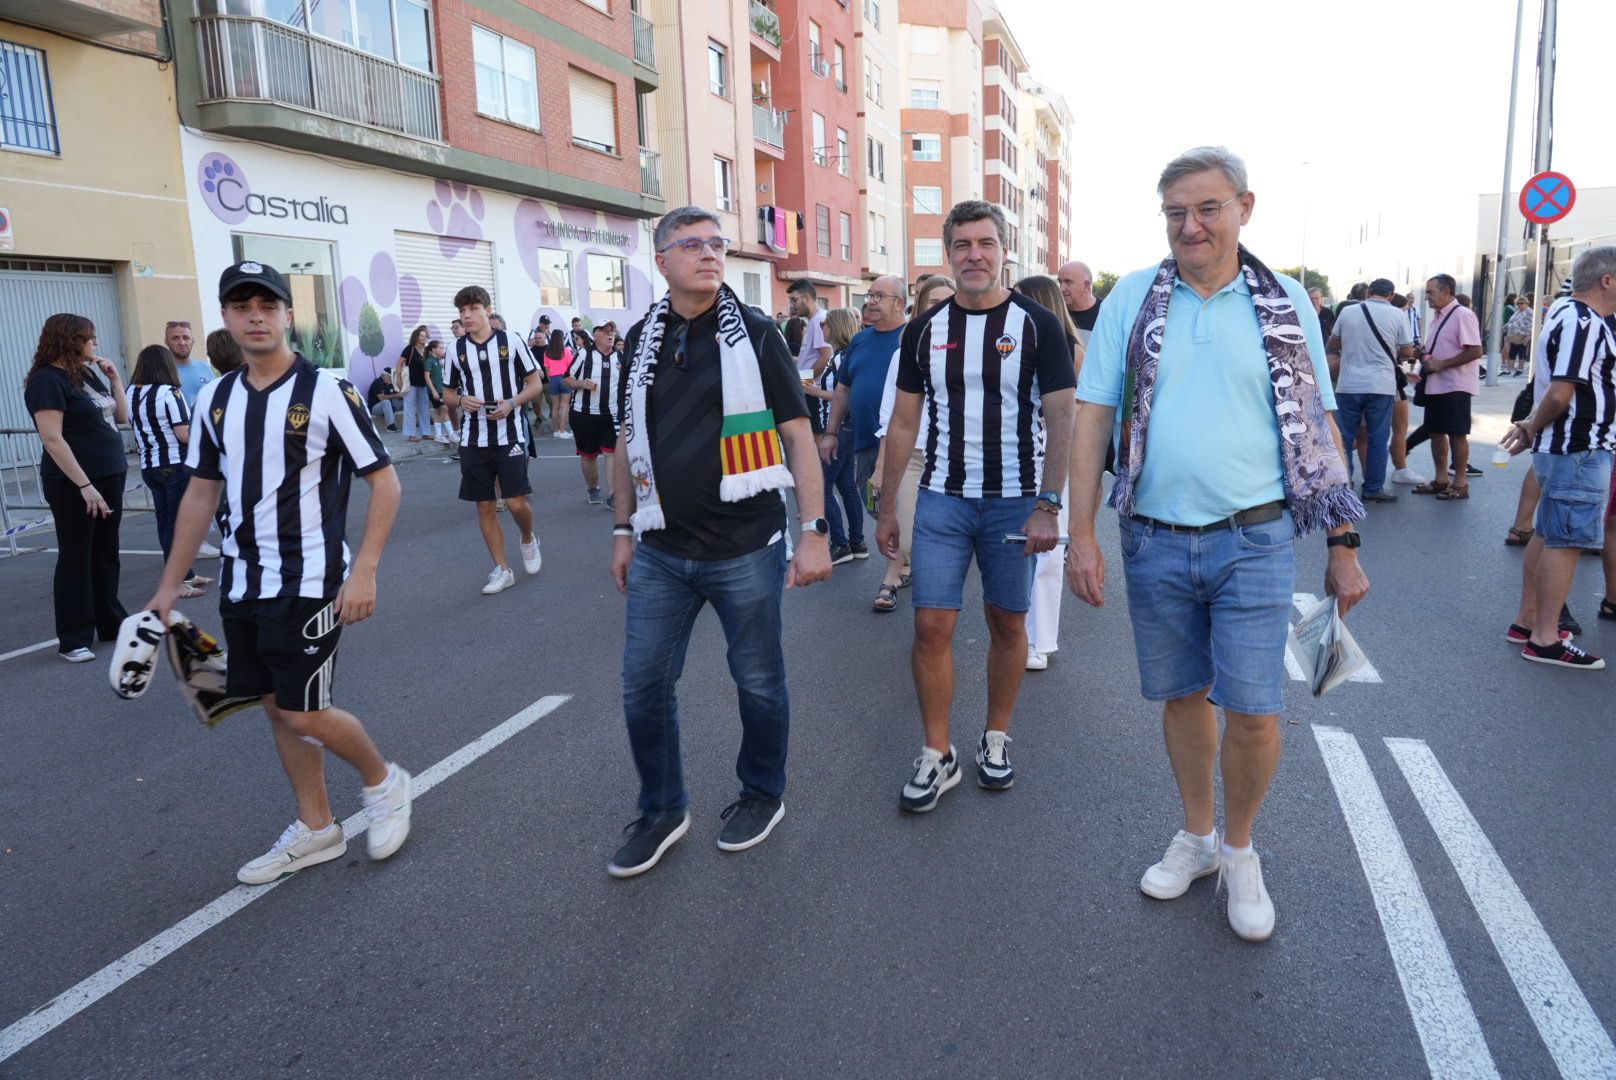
(1317, 489)
(749, 447)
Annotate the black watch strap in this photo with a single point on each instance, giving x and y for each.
(1346, 540)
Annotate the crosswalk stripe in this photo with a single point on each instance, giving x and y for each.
(1304, 602)
(1577, 1041)
(1446, 1024)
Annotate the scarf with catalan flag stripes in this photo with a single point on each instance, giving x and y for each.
(753, 460)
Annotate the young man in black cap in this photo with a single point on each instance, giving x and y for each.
(266, 434)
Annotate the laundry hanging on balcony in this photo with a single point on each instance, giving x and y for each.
(793, 224)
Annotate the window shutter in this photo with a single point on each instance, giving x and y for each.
(594, 111)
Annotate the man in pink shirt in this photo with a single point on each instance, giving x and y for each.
(1452, 372)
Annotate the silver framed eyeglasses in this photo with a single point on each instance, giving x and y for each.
(1205, 214)
(693, 245)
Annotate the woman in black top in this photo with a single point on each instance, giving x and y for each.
(77, 400)
(162, 426)
(417, 388)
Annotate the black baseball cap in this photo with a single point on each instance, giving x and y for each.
(1382, 287)
(258, 274)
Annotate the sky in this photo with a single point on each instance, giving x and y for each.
(1384, 119)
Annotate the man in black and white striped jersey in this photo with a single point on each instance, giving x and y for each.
(994, 374)
(593, 417)
(492, 375)
(283, 440)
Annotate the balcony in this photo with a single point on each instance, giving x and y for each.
(644, 41)
(85, 18)
(251, 59)
(765, 24)
(650, 173)
(769, 126)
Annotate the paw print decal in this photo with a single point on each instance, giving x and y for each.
(456, 215)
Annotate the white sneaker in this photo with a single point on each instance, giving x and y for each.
(1186, 860)
(1037, 661)
(934, 774)
(387, 807)
(207, 551)
(567, 434)
(444, 439)
(298, 848)
(80, 655)
(499, 579)
(1251, 911)
(531, 559)
(1409, 476)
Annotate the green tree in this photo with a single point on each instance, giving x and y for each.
(1104, 283)
(371, 341)
(1315, 280)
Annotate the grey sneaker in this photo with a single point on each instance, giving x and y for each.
(993, 769)
(298, 848)
(593, 495)
(934, 774)
(841, 554)
(1186, 860)
(645, 845)
(748, 821)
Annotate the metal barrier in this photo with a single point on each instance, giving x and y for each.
(23, 509)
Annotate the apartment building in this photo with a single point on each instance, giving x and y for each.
(940, 53)
(880, 132)
(1004, 66)
(385, 153)
(1046, 148)
(820, 173)
(92, 198)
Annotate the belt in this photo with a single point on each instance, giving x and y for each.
(1256, 515)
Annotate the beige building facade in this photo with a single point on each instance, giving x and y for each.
(940, 53)
(881, 187)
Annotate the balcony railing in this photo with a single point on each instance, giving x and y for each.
(644, 41)
(251, 59)
(650, 173)
(769, 125)
(765, 24)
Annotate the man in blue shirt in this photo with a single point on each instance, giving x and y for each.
(1209, 545)
(194, 374)
(862, 377)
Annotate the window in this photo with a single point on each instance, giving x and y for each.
(929, 251)
(27, 112)
(875, 157)
(752, 288)
(724, 183)
(816, 55)
(608, 277)
(847, 236)
(717, 69)
(594, 111)
(818, 132)
(507, 88)
(927, 147)
(928, 200)
(878, 233)
(555, 278)
(310, 267)
(881, 161)
(599, 5)
(844, 157)
(872, 83)
(414, 34)
(822, 228)
(925, 94)
(839, 63)
(872, 12)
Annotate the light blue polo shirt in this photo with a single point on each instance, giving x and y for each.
(1214, 441)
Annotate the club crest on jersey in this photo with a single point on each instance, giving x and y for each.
(297, 418)
(1006, 345)
(504, 352)
(353, 396)
(218, 415)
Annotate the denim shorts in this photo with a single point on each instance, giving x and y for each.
(1211, 609)
(1571, 511)
(558, 386)
(949, 530)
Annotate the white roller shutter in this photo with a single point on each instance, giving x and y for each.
(594, 111)
(31, 291)
(421, 256)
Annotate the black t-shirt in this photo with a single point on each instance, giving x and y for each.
(686, 422)
(96, 443)
(381, 385)
(1326, 321)
(1085, 319)
(416, 360)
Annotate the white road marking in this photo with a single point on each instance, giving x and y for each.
(1577, 1041)
(68, 1004)
(1304, 602)
(25, 650)
(121, 551)
(1443, 1018)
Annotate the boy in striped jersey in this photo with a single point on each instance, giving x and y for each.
(492, 377)
(284, 440)
(593, 382)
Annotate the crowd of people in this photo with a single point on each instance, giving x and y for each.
(973, 422)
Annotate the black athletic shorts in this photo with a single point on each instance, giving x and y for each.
(1517, 350)
(1447, 414)
(593, 434)
(285, 646)
(480, 466)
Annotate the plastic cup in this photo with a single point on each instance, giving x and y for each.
(1501, 457)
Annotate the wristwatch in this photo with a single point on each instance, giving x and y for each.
(819, 526)
(1346, 540)
(1051, 497)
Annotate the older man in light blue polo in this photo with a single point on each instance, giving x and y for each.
(1226, 453)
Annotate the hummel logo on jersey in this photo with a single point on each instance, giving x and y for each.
(516, 451)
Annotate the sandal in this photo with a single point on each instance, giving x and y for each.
(1518, 537)
(904, 580)
(886, 599)
(1454, 492)
(1430, 488)
(190, 592)
(1607, 610)
(199, 581)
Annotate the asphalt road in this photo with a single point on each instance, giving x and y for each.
(1003, 934)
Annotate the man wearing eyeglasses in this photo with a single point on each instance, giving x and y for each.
(194, 374)
(713, 425)
(1209, 356)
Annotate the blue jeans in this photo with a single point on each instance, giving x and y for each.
(417, 411)
(1374, 411)
(167, 487)
(840, 479)
(664, 596)
(950, 531)
(1211, 609)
